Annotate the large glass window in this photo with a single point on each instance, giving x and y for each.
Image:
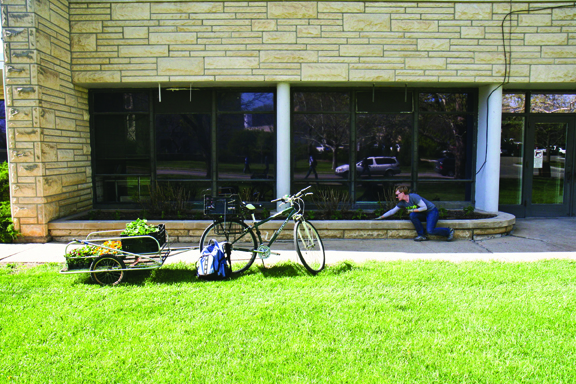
(444, 136)
(246, 144)
(511, 159)
(386, 142)
(361, 142)
(121, 142)
(321, 135)
(183, 146)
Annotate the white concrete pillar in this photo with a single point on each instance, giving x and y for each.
(283, 139)
(488, 148)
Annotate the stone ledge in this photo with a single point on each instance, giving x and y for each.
(187, 231)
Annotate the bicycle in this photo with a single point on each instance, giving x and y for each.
(244, 242)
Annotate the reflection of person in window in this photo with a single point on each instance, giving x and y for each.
(247, 165)
(311, 167)
(366, 167)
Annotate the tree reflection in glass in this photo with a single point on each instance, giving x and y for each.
(183, 146)
(443, 140)
(321, 137)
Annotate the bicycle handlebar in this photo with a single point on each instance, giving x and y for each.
(287, 199)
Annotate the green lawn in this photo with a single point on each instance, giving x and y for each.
(393, 322)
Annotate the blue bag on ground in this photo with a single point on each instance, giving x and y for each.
(212, 264)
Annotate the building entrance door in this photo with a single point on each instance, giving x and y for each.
(549, 166)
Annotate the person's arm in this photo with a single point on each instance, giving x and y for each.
(421, 207)
(389, 213)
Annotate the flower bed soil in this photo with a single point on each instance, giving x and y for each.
(195, 215)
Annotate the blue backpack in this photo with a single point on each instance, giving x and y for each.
(212, 264)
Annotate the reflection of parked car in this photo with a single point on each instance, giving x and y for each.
(379, 165)
(446, 166)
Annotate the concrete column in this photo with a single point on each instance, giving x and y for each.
(283, 140)
(488, 148)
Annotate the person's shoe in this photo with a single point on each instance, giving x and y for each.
(451, 235)
(420, 238)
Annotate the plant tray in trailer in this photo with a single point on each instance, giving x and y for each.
(108, 256)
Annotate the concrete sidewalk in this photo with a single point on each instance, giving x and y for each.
(532, 239)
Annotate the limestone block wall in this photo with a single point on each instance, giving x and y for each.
(47, 117)
(324, 41)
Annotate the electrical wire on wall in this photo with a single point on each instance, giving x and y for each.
(508, 60)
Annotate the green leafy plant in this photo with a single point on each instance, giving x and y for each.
(442, 212)
(117, 215)
(8, 232)
(139, 227)
(337, 215)
(265, 213)
(469, 210)
(359, 215)
(76, 258)
(311, 215)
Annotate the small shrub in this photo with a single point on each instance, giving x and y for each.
(265, 213)
(331, 202)
(386, 201)
(359, 215)
(442, 212)
(337, 215)
(167, 199)
(469, 210)
(7, 231)
(311, 215)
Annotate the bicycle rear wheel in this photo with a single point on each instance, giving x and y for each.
(241, 238)
(309, 246)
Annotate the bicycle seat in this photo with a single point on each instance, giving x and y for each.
(251, 207)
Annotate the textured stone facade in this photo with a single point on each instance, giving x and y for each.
(372, 41)
(55, 50)
(47, 117)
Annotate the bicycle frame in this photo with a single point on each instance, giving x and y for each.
(290, 211)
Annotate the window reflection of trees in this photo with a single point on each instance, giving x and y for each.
(183, 145)
(513, 103)
(245, 101)
(553, 103)
(385, 135)
(246, 145)
(443, 137)
(325, 136)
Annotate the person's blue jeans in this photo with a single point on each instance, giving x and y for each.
(431, 218)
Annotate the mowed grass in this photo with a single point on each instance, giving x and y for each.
(393, 322)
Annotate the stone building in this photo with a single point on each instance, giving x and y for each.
(468, 102)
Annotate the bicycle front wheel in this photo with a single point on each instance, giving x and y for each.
(309, 246)
(241, 239)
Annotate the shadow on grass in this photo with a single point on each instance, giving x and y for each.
(186, 273)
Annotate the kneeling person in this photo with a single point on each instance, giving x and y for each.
(420, 210)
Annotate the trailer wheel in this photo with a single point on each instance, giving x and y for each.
(112, 267)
